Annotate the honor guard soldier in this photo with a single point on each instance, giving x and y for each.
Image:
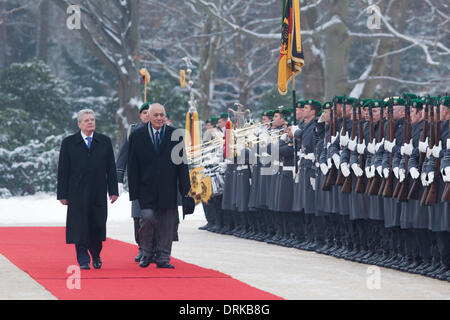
(212, 207)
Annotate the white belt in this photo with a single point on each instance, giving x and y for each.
(310, 156)
(240, 168)
(289, 168)
(276, 163)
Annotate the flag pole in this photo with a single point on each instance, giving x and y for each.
(295, 115)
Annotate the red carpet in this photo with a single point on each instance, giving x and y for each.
(42, 253)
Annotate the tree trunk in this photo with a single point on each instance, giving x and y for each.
(42, 46)
(399, 9)
(381, 65)
(337, 51)
(4, 39)
(312, 76)
(207, 67)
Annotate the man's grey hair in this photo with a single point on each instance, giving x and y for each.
(156, 105)
(81, 113)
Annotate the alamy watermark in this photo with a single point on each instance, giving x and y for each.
(374, 19)
(373, 281)
(73, 281)
(73, 21)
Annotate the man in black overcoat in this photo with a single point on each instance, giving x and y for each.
(86, 173)
(156, 166)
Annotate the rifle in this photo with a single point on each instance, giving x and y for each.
(432, 139)
(330, 179)
(389, 181)
(434, 187)
(415, 189)
(341, 179)
(401, 190)
(375, 185)
(347, 187)
(446, 195)
(372, 136)
(359, 188)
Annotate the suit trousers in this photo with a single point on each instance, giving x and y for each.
(156, 229)
(94, 249)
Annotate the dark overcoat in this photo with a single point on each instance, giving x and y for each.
(153, 176)
(85, 176)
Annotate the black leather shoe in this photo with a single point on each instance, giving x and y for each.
(139, 256)
(85, 266)
(145, 261)
(97, 263)
(165, 265)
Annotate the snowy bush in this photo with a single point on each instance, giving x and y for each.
(34, 117)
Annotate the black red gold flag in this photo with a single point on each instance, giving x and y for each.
(291, 51)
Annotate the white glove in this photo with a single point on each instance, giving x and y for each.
(446, 176)
(423, 177)
(414, 173)
(407, 149)
(380, 171)
(361, 147)
(386, 173)
(352, 144)
(423, 146)
(357, 170)
(333, 138)
(430, 177)
(429, 151)
(313, 183)
(317, 164)
(329, 163)
(401, 175)
(120, 185)
(337, 160)
(388, 146)
(324, 169)
(378, 145)
(344, 139)
(223, 167)
(294, 128)
(371, 147)
(345, 170)
(437, 150)
(396, 172)
(370, 171)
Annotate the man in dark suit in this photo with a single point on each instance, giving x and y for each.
(156, 166)
(122, 159)
(86, 173)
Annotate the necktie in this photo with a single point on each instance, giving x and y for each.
(89, 140)
(157, 140)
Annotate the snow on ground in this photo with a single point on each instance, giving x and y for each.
(43, 208)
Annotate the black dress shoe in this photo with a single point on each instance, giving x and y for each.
(139, 256)
(145, 261)
(85, 266)
(97, 263)
(165, 265)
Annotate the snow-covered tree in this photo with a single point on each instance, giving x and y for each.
(110, 31)
(34, 116)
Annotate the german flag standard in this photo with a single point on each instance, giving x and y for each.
(291, 45)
